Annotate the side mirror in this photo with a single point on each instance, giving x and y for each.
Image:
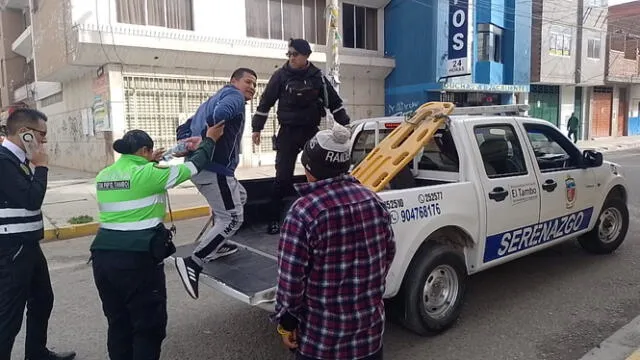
(591, 158)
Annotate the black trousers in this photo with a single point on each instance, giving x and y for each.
(133, 291)
(289, 143)
(24, 281)
(573, 135)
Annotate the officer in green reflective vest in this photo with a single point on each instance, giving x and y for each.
(132, 194)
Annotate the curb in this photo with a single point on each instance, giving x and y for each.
(624, 344)
(80, 230)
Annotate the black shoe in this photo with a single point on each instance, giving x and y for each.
(70, 355)
(224, 250)
(273, 228)
(189, 273)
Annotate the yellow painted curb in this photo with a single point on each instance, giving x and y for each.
(634, 356)
(75, 231)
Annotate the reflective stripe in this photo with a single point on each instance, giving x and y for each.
(132, 204)
(338, 109)
(21, 228)
(174, 173)
(261, 113)
(8, 213)
(135, 225)
(191, 167)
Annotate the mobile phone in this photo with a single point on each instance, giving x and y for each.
(30, 143)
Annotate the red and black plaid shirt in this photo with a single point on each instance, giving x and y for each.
(335, 250)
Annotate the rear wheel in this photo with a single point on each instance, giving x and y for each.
(433, 290)
(610, 229)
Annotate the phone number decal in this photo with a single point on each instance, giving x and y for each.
(429, 197)
(420, 212)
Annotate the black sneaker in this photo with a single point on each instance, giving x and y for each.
(224, 250)
(273, 228)
(189, 272)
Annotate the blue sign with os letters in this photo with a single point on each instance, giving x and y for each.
(458, 37)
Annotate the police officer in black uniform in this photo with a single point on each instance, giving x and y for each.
(24, 274)
(303, 93)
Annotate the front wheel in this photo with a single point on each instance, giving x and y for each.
(433, 290)
(610, 229)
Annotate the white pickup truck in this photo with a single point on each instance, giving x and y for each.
(490, 187)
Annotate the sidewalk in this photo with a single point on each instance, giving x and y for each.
(624, 344)
(71, 193)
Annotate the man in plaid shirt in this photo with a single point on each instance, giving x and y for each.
(335, 250)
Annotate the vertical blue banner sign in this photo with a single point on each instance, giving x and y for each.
(457, 63)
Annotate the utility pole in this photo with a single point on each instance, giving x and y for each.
(333, 44)
(332, 47)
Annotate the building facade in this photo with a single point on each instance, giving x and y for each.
(127, 64)
(568, 41)
(472, 53)
(623, 70)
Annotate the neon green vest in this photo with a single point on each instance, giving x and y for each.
(132, 192)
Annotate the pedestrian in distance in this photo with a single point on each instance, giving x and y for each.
(217, 182)
(24, 273)
(572, 127)
(302, 93)
(132, 242)
(334, 254)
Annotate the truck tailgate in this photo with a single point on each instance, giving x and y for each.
(249, 275)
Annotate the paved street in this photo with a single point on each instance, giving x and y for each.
(556, 304)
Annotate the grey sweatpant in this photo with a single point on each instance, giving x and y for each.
(226, 197)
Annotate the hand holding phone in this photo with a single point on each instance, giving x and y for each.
(35, 152)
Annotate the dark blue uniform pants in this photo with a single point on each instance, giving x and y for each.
(24, 281)
(134, 299)
(289, 143)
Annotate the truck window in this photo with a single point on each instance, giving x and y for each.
(439, 154)
(365, 142)
(552, 149)
(500, 150)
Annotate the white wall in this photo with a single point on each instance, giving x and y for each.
(567, 106)
(222, 18)
(72, 143)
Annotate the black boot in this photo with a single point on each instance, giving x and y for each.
(273, 228)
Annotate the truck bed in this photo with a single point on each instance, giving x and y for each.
(250, 274)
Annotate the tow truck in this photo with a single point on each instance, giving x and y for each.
(468, 189)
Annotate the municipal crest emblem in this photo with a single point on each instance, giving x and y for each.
(570, 184)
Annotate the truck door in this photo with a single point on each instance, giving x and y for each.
(566, 190)
(510, 189)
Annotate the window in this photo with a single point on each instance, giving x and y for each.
(593, 49)
(438, 155)
(552, 149)
(359, 27)
(500, 150)
(489, 43)
(560, 43)
(174, 14)
(285, 19)
(365, 142)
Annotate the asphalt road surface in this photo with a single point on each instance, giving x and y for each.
(556, 304)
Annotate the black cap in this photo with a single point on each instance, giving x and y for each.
(133, 141)
(301, 45)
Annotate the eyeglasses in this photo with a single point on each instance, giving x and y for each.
(292, 53)
(42, 133)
